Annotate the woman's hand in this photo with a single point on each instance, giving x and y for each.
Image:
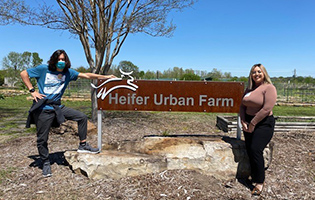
(244, 126)
(251, 128)
(247, 127)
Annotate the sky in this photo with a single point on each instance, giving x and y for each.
(228, 35)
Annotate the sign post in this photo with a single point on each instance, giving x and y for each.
(99, 129)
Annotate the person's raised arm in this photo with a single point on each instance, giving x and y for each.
(95, 76)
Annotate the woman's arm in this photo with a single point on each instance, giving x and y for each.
(242, 112)
(270, 98)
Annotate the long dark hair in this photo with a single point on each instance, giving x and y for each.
(54, 59)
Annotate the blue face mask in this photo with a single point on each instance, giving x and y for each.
(61, 64)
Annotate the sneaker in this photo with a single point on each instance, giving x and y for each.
(87, 149)
(46, 169)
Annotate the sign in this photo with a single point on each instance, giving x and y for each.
(154, 95)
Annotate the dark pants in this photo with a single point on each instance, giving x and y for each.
(255, 144)
(44, 120)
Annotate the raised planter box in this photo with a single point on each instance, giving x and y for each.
(283, 123)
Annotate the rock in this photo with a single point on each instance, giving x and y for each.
(221, 157)
(114, 164)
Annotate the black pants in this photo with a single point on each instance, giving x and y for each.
(44, 120)
(255, 144)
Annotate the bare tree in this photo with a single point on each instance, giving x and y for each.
(101, 25)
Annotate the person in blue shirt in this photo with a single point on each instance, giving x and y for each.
(47, 111)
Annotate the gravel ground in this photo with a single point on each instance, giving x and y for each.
(290, 176)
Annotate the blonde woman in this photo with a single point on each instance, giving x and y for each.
(257, 121)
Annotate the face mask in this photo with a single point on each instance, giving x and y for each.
(61, 64)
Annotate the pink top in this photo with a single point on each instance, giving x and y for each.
(258, 102)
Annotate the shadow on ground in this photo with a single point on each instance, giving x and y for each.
(57, 157)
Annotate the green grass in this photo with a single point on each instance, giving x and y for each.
(19, 104)
(166, 133)
(6, 173)
(11, 106)
(8, 125)
(294, 111)
(15, 104)
(15, 109)
(31, 130)
(83, 106)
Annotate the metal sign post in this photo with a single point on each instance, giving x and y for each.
(239, 127)
(99, 129)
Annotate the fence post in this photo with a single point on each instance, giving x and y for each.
(239, 128)
(99, 129)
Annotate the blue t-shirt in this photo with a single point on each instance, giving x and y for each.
(52, 84)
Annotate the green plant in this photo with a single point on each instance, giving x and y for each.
(166, 133)
(6, 173)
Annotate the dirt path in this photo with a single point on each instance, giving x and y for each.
(291, 175)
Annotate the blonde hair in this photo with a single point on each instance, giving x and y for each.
(251, 83)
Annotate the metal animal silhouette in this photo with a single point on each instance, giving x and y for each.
(104, 91)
